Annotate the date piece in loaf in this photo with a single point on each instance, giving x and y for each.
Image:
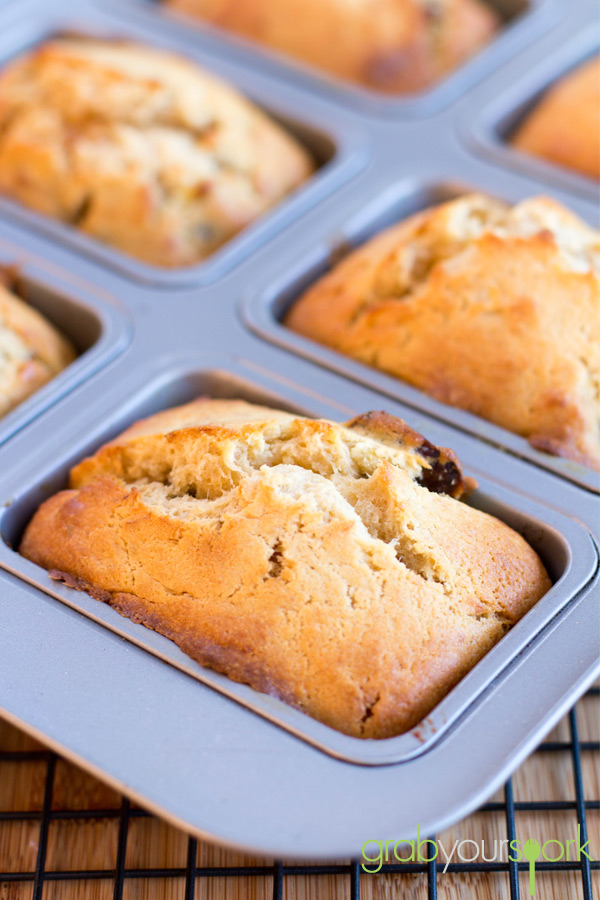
(302, 557)
(32, 351)
(139, 148)
(395, 46)
(487, 307)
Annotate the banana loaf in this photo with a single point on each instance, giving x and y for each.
(487, 307)
(564, 128)
(139, 148)
(332, 566)
(32, 351)
(396, 46)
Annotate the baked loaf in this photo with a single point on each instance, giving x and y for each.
(302, 557)
(139, 148)
(32, 351)
(490, 308)
(564, 128)
(389, 45)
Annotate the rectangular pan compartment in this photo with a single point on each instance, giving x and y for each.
(496, 114)
(90, 317)
(522, 21)
(337, 146)
(564, 545)
(263, 308)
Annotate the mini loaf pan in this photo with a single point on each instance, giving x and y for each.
(494, 116)
(219, 759)
(117, 699)
(522, 21)
(565, 546)
(97, 325)
(336, 144)
(264, 306)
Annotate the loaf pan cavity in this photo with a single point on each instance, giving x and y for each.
(521, 22)
(263, 308)
(336, 145)
(91, 318)
(563, 544)
(495, 114)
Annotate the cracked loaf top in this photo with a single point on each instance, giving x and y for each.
(32, 351)
(396, 46)
(139, 148)
(492, 308)
(305, 558)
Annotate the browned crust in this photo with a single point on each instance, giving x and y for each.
(362, 609)
(239, 664)
(564, 128)
(394, 46)
(47, 352)
(503, 327)
(140, 148)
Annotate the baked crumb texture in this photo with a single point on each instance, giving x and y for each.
(396, 46)
(564, 128)
(492, 308)
(139, 148)
(32, 351)
(302, 557)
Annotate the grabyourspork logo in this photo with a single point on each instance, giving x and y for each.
(377, 853)
(531, 852)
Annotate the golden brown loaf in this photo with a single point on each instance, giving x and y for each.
(139, 148)
(31, 350)
(486, 307)
(564, 128)
(302, 557)
(390, 45)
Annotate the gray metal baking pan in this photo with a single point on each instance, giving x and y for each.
(96, 323)
(125, 708)
(271, 295)
(493, 116)
(200, 761)
(334, 140)
(135, 716)
(565, 546)
(522, 22)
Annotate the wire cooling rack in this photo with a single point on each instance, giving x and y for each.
(65, 835)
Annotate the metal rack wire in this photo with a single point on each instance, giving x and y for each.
(193, 873)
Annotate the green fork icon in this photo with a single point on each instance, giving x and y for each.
(531, 851)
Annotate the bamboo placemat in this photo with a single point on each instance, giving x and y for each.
(66, 836)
